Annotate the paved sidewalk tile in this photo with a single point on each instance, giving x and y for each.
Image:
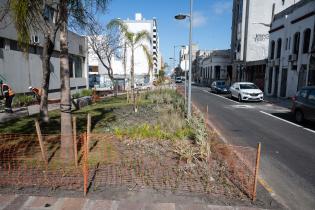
(159, 206)
(5, 200)
(73, 204)
(41, 203)
(127, 205)
(99, 205)
(191, 207)
(17, 203)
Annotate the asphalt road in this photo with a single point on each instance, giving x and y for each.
(288, 150)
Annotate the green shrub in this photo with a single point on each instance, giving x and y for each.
(22, 100)
(76, 95)
(82, 93)
(86, 92)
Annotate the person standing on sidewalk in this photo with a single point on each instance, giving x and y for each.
(8, 94)
(37, 93)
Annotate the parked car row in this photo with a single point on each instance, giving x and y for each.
(303, 104)
(243, 91)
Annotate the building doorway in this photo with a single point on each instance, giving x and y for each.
(270, 80)
(283, 88)
(275, 89)
(302, 77)
(217, 72)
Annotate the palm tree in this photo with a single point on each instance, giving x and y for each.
(133, 41)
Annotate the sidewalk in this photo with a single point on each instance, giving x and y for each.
(283, 102)
(25, 202)
(25, 111)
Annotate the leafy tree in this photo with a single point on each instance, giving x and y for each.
(34, 15)
(133, 41)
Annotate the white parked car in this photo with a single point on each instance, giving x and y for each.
(246, 91)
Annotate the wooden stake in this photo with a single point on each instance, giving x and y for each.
(75, 150)
(88, 131)
(41, 143)
(85, 165)
(256, 170)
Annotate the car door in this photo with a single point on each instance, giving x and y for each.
(233, 89)
(309, 106)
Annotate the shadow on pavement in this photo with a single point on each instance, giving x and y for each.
(290, 117)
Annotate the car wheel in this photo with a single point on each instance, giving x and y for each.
(239, 98)
(299, 117)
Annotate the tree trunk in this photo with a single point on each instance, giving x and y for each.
(132, 78)
(65, 104)
(125, 64)
(47, 52)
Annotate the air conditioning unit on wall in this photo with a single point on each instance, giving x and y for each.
(35, 39)
(292, 57)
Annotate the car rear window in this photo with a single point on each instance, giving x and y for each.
(221, 83)
(248, 86)
(311, 96)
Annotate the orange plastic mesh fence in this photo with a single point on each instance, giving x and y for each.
(113, 162)
(22, 163)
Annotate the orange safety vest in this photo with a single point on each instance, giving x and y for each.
(9, 90)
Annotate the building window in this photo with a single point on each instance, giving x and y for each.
(296, 43)
(279, 45)
(2, 42)
(49, 13)
(286, 43)
(78, 67)
(14, 45)
(272, 53)
(70, 66)
(306, 40)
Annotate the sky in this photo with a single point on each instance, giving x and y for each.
(211, 21)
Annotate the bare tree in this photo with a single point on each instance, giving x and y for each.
(106, 44)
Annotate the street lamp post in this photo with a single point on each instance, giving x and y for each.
(182, 17)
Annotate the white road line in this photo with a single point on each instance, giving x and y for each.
(221, 96)
(299, 126)
(310, 130)
(281, 119)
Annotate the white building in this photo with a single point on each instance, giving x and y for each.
(216, 66)
(141, 63)
(290, 50)
(21, 71)
(250, 37)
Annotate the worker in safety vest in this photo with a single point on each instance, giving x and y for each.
(8, 94)
(37, 92)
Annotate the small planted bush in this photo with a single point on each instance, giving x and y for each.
(22, 100)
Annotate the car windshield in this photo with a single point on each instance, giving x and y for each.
(248, 86)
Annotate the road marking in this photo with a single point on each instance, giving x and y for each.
(310, 130)
(221, 96)
(265, 185)
(299, 126)
(281, 119)
(242, 106)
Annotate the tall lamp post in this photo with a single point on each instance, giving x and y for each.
(190, 17)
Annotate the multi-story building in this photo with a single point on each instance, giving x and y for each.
(197, 65)
(215, 66)
(143, 74)
(250, 37)
(21, 71)
(291, 38)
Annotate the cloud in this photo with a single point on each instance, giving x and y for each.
(221, 7)
(199, 19)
